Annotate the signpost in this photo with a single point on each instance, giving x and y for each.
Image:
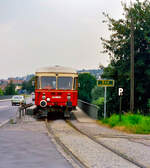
(120, 93)
(105, 83)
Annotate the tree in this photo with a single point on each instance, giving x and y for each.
(118, 48)
(97, 92)
(10, 89)
(1, 92)
(28, 85)
(87, 83)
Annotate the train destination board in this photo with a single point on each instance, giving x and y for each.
(105, 83)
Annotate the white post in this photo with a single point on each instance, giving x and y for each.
(105, 102)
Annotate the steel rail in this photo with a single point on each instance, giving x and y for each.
(75, 158)
(129, 159)
(122, 136)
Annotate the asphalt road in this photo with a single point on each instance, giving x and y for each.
(26, 144)
(7, 111)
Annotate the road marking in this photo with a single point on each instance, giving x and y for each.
(2, 107)
(5, 100)
(3, 123)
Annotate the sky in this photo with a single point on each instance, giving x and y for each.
(39, 33)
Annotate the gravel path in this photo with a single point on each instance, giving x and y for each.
(92, 154)
(134, 146)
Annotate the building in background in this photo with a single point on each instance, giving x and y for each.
(3, 84)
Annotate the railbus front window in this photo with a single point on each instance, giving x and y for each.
(48, 82)
(65, 83)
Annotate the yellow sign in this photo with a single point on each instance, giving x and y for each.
(105, 83)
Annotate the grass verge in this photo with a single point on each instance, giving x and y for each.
(132, 123)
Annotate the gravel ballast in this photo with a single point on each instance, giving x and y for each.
(91, 153)
(136, 147)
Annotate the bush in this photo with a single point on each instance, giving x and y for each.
(87, 83)
(132, 122)
(97, 92)
(100, 103)
(1, 92)
(112, 121)
(134, 119)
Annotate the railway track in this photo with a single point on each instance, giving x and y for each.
(78, 159)
(109, 148)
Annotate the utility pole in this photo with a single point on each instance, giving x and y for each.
(132, 68)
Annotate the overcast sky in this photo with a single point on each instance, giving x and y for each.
(37, 33)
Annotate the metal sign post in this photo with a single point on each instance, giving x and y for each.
(105, 102)
(120, 92)
(120, 108)
(105, 83)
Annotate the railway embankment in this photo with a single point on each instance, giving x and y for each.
(86, 150)
(134, 147)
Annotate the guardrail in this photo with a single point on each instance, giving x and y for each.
(23, 109)
(5, 97)
(90, 109)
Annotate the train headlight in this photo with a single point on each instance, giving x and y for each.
(43, 97)
(43, 103)
(68, 97)
(48, 99)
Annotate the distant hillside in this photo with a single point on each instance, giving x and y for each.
(24, 78)
(28, 77)
(96, 72)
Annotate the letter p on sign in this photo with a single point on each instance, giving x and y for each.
(120, 91)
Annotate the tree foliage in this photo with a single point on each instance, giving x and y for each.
(97, 92)
(118, 48)
(10, 89)
(87, 83)
(28, 85)
(1, 92)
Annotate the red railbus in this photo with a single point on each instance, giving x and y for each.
(56, 90)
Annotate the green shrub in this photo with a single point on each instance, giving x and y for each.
(97, 92)
(112, 121)
(144, 126)
(134, 119)
(1, 92)
(132, 122)
(100, 103)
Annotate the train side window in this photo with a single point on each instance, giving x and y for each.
(37, 82)
(75, 86)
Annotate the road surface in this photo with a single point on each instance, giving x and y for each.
(26, 143)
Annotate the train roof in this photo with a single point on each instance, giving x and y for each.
(56, 69)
